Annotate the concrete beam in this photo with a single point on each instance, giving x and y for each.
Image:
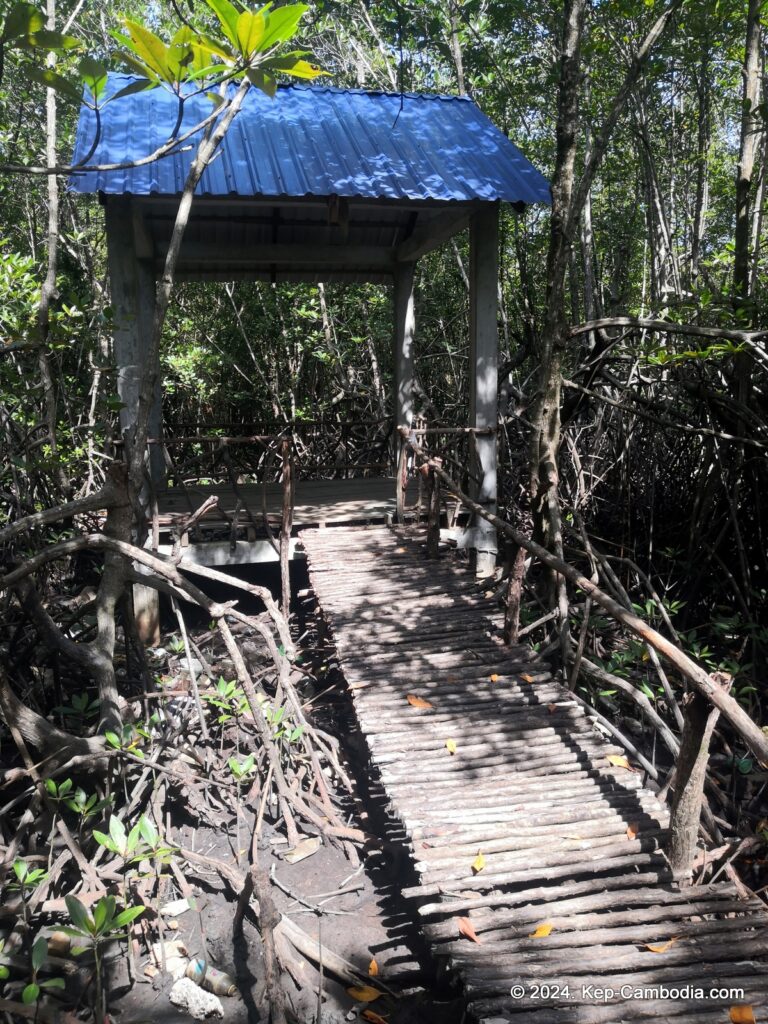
(431, 231)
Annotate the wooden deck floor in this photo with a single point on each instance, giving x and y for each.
(572, 890)
(316, 501)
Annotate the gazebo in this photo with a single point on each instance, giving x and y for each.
(316, 184)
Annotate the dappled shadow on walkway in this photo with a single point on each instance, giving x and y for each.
(516, 812)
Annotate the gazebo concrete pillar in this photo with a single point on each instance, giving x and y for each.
(132, 284)
(405, 325)
(483, 371)
(404, 328)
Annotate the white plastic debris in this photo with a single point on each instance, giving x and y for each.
(195, 1001)
(176, 958)
(174, 908)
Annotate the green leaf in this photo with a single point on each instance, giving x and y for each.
(50, 787)
(30, 994)
(94, 74)
(78, 914)
(137, 66)
(4, 973)
(112, 739)
(48, 40)
(250, 31)
(297, 68)
(48, 78)
(215, 46)
(53, 983)
(149, 49)
(117, 832)
(148, 831)
(132, 840)
(103, 912)
(282, 24)
(127, 916)
(23, 20)
(228, 18)
(20, 869)
(134, 87)
(39, 953)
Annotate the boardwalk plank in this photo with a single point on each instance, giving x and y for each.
(568, 838)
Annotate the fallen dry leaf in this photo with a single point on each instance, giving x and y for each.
(619, 761)
(364, 993)
(494, 678)
(373, 1017)
(373, 968)
(551, 708)
(418, 702)
(742, 1015)
(542, 931)
(526, 677)
(478, 863)
(662, 947)
(632, 829)
(467, 929)
(450, 746)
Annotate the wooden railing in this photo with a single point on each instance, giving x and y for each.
(457, 455)
(322, 450)
(707, 693)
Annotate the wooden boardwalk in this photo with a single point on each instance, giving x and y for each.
(529, 833)
(316, 501)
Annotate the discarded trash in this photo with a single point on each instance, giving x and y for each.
(175, 957)
(59, 944)
(303, 850)
(210, 978)
(175, 908)
(187, 996)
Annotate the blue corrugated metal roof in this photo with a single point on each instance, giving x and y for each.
(314, 141)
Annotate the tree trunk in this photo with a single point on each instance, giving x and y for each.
(690, 775)
(545, 439)
(702, 152)
(750, 124)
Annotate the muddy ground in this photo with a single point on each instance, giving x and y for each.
(362, 916)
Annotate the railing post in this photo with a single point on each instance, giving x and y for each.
(285, 527)
(514, 594)
(401, 477)
(433, 513)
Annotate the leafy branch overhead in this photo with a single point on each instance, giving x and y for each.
(244, 43)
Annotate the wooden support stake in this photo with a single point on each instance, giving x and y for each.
(285, 528)
(433, 513)
(514, 594)
(699, 722)
(401, 481)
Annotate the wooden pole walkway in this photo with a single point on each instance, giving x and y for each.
(533, 835)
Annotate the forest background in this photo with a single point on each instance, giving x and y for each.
(648, 457)
(661, 471)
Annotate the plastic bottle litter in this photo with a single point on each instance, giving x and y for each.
(210, 978)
